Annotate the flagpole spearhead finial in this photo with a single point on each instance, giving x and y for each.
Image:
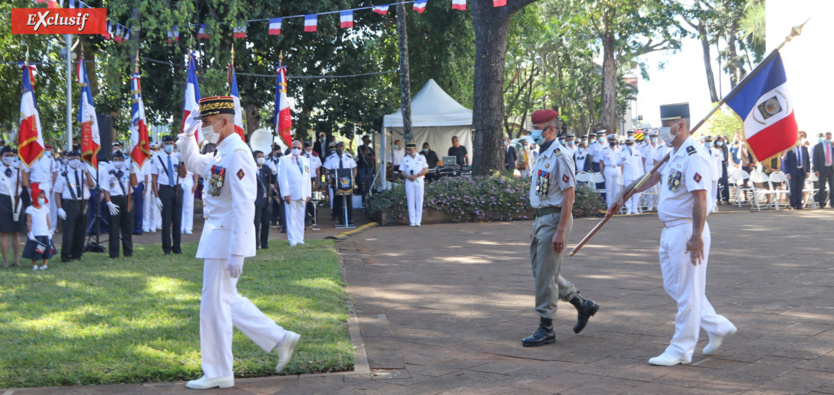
(797, 30)
(281, 57)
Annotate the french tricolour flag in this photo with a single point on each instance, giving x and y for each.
(202, 33)
(240, 32)
(311, 23)
(762, 101)
(140, 149)
(381, 9)
(282, 116)
(90, 140)
(346, 17)
(30, 137)
(192, 94)
(233, 92)
(420, 5)
(275, 26)
(459, 5)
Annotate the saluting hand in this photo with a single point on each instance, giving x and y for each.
(695, 249)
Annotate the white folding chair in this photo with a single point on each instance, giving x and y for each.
(779, 187)
(810, 191)
(739, 176)
(758, 177)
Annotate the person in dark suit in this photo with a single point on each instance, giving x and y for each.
(320, 147)
(432, 160)
(797, 166)
(510, 155)
(824, 169)
(263, 208)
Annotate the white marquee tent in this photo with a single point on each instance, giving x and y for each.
(435, 118)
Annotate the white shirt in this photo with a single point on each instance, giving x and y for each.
(632, 162)
(396, 156)
(413, 166)
(41, 172)
(294, 177)
(553, 172)
(347, 162)
(687, 170)
(716, 157)
(39, 219)
(70, 179)
(8, 183)
(609, 157)
(660, 152)
(315, 163)
(272, 163)
(111, 180)
(160, 168)
(595, 150)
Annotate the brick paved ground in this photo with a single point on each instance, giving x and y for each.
(441, 309)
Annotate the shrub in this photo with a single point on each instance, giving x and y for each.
(498, 197)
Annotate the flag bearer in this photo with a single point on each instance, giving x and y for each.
(414, 169)
(685, 240)
(551, 195)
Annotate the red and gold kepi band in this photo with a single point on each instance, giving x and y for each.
(217, 105)
(542, 116)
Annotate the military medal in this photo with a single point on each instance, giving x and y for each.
(543, 185)
(674, 180)
(218, 174)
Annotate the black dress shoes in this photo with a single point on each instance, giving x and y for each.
(543, 335)
(585, 308)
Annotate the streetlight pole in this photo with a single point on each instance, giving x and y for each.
(68, 40)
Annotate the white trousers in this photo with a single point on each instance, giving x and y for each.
(686, 284)
(331, 197)
(712, 197)
(187, 224)
(612, 185)
(633, 204)
(295, 220)
(53, 208)
(414, 197)
(220, 308)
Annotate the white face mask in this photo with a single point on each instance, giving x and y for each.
(261, 161)
(8, 160)
(169, 148)
(296, 151)
(209, 135)
(666, 135)
(118, 164)
(309, 151)
(74, 163)
(41, 201)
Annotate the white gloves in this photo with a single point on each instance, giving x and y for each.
(114, 209)
(62, 214)
(192, 123)
(31, 236)
(159, 203)
(235, 266)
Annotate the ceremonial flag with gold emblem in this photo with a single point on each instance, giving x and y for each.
(30, 138)
(90, 140)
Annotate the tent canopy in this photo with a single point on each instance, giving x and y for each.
(435, 117)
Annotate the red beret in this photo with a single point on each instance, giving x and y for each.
(543, 116)
(48, 146)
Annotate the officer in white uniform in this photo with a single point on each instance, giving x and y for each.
(649, 153)
(116, 183)
(228, 237)
(685, 241)
(189, 187)
(609, 163)
(152, 219)
(341, 160)
(414, 169)
(571, 144)
(294, 177)
(716, 157)
(552, 192)
(72, 191)
(632, 170)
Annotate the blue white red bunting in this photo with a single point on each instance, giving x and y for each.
(202, 33)
(275, 26)
(240, 32)
(381, 9)
(346, 19)
(459, 5)
(420, 5)
(311, 23)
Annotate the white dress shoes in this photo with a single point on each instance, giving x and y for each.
(285, 351)
(204, 383)
(665, 360)
(715, 342)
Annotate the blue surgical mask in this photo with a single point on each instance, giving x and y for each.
(708, 144)
(536, 135)
(570, 143)
(719, 143)
(169, 148)
(562, 141)
(425, 150)
(602, 140)
(827, 141)
(819, 140)
(396, 146)
(581, 150)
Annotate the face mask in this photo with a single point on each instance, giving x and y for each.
(261, 161)
(561, 141)
(629, 144)
(581, 150)
(413, 154)
(169, 148)
(570, 143)
(322, 137)
(209, 134)
(666, 134)
(654, 139)
(309, 151)
(41, 201)
(536, 135)
(719, 143)
(612, 145)
(118, 164)
(296, 151)
(819, 140)
(396, 146)
(340, 151)
(74, 163)
(828, 141)
(709, 145)
(601, 140)
(425, 150)
(8, 160)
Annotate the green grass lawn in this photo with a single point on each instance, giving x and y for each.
(137, 320)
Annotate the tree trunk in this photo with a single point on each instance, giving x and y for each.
(702, 32)
(405, 78)
(250, 113)
(608, 104)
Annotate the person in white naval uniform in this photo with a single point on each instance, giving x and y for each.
(228, 237)
(414, 169)
(294, 176)
(609, 163)
(632, 170)
(685, 240)
(189, 187)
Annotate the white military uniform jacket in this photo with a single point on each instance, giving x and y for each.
(229, 209)
(687, 170)
(610, 157)
(632, 162)
(553, 172)
(294, 182)
(413, 166)
(716, 158)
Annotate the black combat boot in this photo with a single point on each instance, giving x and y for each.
(586, 308)
(544, 335)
